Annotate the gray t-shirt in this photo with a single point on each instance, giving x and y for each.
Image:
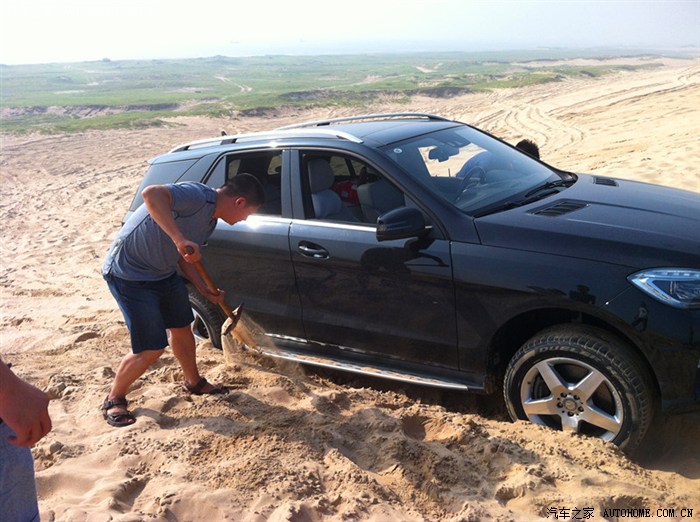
(142, 251)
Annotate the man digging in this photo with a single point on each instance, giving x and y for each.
(141, 271)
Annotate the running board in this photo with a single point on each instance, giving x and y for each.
(323, 362)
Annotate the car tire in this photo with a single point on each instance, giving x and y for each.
(207, 318)
(584, 380)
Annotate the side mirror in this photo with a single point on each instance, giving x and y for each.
(401, 223)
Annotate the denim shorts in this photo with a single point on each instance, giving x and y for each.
(150, 308)
(18, 502)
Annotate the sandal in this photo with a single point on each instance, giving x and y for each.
(198, 388)
(118, 419)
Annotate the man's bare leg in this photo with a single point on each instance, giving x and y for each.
(185, 351)
(133, 366)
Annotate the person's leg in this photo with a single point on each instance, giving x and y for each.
(177, 315)
(131, 368)
(17, 485)
(140, 305)
(185, 351)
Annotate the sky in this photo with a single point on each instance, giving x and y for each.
(48, 31)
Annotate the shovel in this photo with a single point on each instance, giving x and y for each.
(244, 333)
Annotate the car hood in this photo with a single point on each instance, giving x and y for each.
(611, 220)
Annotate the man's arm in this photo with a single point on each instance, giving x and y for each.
(192, 274)
(23, 407)
(159, 202)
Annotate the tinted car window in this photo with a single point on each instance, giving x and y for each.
(159, 174)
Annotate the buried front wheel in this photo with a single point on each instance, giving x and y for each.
(583, 380)
(207, 318)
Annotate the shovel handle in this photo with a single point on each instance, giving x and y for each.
(205, 276)
(211, 285)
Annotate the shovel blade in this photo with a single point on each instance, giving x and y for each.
(232, 320)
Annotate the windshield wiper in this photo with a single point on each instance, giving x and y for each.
(541, 192)
(549, 186)
(500, 208)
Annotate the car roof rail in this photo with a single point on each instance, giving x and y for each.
(322, 133)
(208, 142)
(277, 133)
(366, 117)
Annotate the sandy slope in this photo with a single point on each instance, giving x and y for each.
(304, 446)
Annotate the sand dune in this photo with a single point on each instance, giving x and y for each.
(294, 445)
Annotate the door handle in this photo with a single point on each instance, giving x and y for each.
(311, 250)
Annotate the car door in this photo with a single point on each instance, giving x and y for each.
(250, 260)
(361, 297)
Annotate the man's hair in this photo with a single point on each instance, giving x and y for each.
(246, 186)
(530, 147)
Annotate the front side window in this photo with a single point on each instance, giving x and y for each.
(344, 188)
(471, 170)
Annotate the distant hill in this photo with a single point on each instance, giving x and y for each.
(135, 93)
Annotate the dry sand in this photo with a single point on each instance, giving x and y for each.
(295, 445)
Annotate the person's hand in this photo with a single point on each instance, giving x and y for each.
(189, 251)
(216, 298)
(25, 410)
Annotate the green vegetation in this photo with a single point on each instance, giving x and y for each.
(107, 94)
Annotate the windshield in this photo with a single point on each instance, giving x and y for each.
(471, 170)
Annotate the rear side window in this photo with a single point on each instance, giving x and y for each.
(161, 174)
(264, 165)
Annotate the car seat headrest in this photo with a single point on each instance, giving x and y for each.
(320, 175)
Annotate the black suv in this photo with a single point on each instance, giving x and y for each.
(417, 248)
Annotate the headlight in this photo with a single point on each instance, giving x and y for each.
(677, 287)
